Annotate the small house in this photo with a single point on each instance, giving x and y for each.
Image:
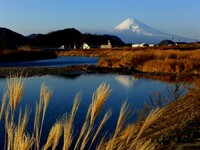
(62, 47)
(107, 45)
(86, 46)
(140, 45)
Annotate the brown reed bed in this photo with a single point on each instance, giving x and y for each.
(138, 135)
(148, 59)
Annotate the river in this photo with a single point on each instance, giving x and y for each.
(57, 62)
(135, 91)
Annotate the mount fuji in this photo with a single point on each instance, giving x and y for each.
(134, 31)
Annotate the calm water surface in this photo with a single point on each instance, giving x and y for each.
(57, 62)
(135, 91)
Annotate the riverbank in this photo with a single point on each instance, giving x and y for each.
(147, 60)
(177, 126)
(150, 60)
(61, 71)
(79, 69)
(25, 55)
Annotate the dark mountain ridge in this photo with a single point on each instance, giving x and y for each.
(56, 39)
(10, 39)
(68, 37)
(71, 37)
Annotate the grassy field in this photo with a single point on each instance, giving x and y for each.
(148, 59)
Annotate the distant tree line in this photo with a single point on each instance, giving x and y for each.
(68, 37)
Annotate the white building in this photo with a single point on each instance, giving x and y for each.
(62, 47)
(139, 45)
(86, 46)
(107, 46)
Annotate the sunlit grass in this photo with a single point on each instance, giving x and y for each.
(177, 59)
(168, 61)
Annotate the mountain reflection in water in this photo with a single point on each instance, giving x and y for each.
(126, 81)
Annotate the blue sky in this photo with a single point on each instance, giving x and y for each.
(181, 17)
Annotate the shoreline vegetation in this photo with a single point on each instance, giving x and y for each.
(160, 129)
(145, 60)
(156, 60)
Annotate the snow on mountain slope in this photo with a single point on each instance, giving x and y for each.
(138, 27)
(134, 31)
(129, 24)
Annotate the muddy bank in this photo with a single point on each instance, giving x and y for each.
(61, 71)
(72, 70)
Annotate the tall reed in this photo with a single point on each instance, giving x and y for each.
(68, 123)
(98, 99)
(54, 136)
(20, 138)
(41, 107)
(15, 91)
(124, 137)
(123, 115)
(3, 105)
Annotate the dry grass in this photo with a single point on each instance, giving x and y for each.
(54, 136)
(155, 59)
(17, 138)
(3, 105)
(68, 123)
(145, 145)
(169, 61)
(105, 118)
(45, 96)
(20, 138)
(26, 142)
(169, 66)
(152, 117)
(15, 91)
(123, 115)
(98, 99)
(133, 136)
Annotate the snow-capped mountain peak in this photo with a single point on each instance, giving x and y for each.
(129, 24)
(132, 30)
(135, 26)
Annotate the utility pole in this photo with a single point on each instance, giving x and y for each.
(196, 39)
